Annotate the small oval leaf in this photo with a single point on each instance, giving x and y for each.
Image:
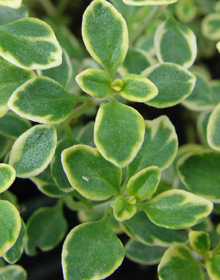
(174, 84)
(177, 209)
(159, 147)
(176, 43)
(89, 173)
(137, 88)
(95, 82)
(122, 209)
(7, 176)
(37, 47)
(33, 150)
(10, 224)
(54, 226)
(97, 264)
(200, 242)
(179, 262)
(143, 184)
(213, 129)
(118, 133)
(42, 100)
(199, 171)
(149, 2)
(108, 46)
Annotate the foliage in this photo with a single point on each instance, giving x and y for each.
(127, 171)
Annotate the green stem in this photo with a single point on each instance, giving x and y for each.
(69, 134)
(140, 29)
(62, 5)
(78, 111)
(83, 200)
(108, 214)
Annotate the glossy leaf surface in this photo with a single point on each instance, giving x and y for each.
(42, 100)
(33, 150)
(177, 209)
(118, 133)
(174, 84)
(37, 47)
(99, 248)
(89, 173)
(108, 46)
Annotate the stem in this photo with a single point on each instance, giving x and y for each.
(69, 134)
(140, 29)
(75, 114)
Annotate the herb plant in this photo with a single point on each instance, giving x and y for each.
(121, 173)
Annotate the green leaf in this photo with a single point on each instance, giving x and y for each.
(8, 14)
(86, 134)
(46, 184)
(141, 253)
(15, 4)
(199, 171)
(99, 248)
(7, 176)
(213, 132)
(213, 267)
(200, 242)
(118, 133)
(122, 209)
(45, 229)
(177, 209)
(201, 98)
(202, 123)
(42, 100)
(10, 79)
(174, 84)
(10, 224)
(12, 126)
(30, 43)
(33, 151)
(137, 88)
(159, 147)
(176, 43)
(211, 26)
(13, 272)
(95, 82)
(16, 251)
(140, 228)
(143, 184)
(178, 263)
(186, 10)
(148, 2)
(57, 171)
(136, 61)
(108, 46)
(61, 73)
(89, 173)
